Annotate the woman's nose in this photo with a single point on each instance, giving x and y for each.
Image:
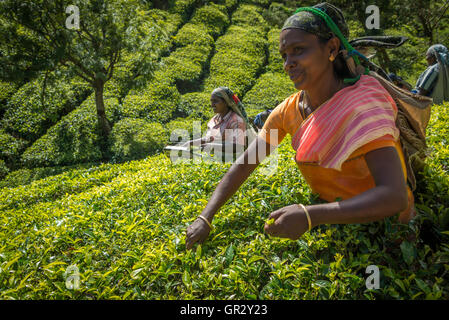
(289, 62)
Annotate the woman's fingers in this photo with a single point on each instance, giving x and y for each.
(289, 222)
(196, 232)
(276, 214)
(274, 228)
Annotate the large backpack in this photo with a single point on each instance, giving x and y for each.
(413, 109)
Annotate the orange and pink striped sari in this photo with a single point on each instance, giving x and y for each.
(331, 143)
(345, 123)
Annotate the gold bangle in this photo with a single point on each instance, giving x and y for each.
(207, 221)
(308, 216)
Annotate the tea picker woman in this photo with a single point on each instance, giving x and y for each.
(434, 81)
(343, 131)
(229, 127)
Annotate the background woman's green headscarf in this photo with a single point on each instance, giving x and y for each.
(236, 105)
(232, 101)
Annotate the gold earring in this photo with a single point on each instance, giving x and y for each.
(331, 58)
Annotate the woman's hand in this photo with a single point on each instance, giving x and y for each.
(289, 222)
(196, 232)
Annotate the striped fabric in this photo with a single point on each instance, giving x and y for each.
(428, 78)
(353, 117)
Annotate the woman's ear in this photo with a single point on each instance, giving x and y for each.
(334, 48)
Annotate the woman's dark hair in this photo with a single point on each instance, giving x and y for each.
(341, 69)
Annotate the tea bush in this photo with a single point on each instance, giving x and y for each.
(74, 139)
(25, 176)
(269, 91)
(4, 170)
(213, 16)
(123, 226)
(184, 7)
(196, 105)
(229, 4)
(7, 89)
(182, 129)
(193, 34)
(240, 55)
(11, 148)
(156, 102)
(30, 114)
(262, 3)
(249, 15)
(180, 71)
(186, 66)
(133, 139)
(136, 68)
(277, 13)
(170, 22)
(275, 61)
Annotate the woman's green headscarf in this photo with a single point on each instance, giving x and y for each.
(311, 23)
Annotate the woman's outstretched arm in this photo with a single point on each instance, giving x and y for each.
(387, 198)
(229, 184)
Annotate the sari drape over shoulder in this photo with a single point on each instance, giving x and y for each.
(331, 143)
(353, 117)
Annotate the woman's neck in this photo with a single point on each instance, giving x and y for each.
(323, 91)
(223, 114)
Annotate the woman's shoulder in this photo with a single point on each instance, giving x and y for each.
(288, 104)
(234, 116)
(234, 120)
(370, 88)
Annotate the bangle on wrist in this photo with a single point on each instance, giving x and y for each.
(308, 215)
(207, 221)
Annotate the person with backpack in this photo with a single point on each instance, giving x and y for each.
(343, 130)
(434, 81)
(260, 118)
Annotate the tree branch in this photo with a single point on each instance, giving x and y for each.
(77, 63)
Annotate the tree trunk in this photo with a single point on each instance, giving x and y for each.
(103, 123)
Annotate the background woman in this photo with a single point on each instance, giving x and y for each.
(229, 126)
(434, 81)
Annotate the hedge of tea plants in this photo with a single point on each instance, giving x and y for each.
(123, 226)
(32, 110)
(240, 52)
(74, 139)
(122, 223)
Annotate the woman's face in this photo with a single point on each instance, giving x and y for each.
(431, 60)
(218, 104)
(305, 59)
